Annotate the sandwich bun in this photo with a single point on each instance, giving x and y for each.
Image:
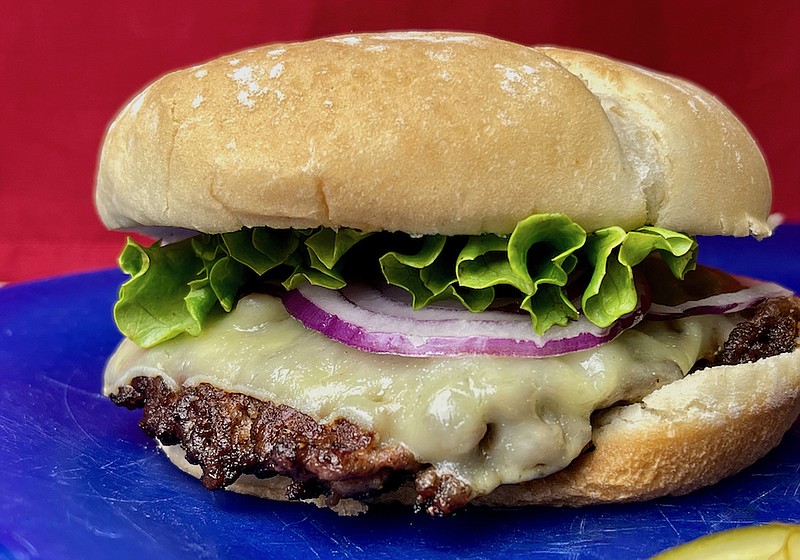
(428, 133)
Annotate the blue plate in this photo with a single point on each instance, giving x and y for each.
(78, 479)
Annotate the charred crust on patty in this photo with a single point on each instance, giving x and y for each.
(440, 494)
(230, 434)
(771, 331)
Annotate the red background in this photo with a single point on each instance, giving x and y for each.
(67, 67)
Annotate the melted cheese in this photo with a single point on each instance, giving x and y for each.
(488, 420)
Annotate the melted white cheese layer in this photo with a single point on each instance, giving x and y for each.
(488, 420)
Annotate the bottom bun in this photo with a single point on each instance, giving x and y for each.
(691, 433)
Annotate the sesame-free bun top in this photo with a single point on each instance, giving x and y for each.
(427, 132)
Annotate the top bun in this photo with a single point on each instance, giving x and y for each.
(428, 132)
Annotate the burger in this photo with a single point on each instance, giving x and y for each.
(442, 269)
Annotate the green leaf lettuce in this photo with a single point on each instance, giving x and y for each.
(549, 265)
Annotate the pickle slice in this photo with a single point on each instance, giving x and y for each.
(773, 541)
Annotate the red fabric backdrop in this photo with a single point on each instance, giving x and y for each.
(66, 67)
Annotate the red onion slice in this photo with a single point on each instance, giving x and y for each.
(752, 293)
(365, 318)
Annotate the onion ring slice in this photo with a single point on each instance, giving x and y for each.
(366, 318)
(752, 293)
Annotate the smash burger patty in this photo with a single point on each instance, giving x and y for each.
(441, 268)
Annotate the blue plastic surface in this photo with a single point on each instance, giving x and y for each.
(78, 479)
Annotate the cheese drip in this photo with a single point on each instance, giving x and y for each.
(488, 420)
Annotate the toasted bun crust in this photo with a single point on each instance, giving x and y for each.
(691, 433)
(427, 133)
